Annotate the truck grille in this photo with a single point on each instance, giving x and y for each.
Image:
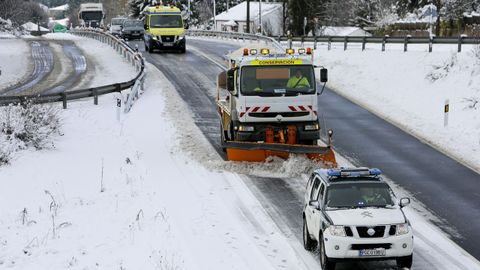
(274, 114)
(379, 231)
(371, 246)
(168, 38)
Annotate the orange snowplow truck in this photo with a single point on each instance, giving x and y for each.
(268, 106)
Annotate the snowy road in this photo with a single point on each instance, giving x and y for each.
(43, 61)
(282, 197)
(54, 71)
(79, 63)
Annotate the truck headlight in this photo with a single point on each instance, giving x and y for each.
(155, 38)
(337, 230)
(402, 229)
(315, 126)
(246, 128)
(181, 36)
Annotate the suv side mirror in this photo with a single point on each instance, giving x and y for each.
(323, 75)
(231, 80)
(314, 204)
(404, 202)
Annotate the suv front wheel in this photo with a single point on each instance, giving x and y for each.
(308, 243)
(405, 262)
(325, 262)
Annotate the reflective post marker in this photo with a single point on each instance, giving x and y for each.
(119, 105)
(446, 109)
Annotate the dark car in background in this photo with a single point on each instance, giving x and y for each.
(132, 29)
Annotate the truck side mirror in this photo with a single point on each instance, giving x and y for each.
(144, 27)
(231, 80)
(323, 75)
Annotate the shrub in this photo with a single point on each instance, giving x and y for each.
(26, 125)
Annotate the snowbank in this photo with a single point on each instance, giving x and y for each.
(410, 90)
(118, 195)
(14, 61)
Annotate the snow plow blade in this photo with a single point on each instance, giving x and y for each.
(259, 152)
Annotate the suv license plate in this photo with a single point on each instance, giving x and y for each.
(372, 252)
(168, 44)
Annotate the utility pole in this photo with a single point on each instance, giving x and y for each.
(248, 16)
(214, 15)
(284, 17)
(260, 15)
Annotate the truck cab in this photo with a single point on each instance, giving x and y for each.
(164, 29)
(91, 15)
(271, 99)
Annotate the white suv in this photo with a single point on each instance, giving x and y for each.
(353, 214)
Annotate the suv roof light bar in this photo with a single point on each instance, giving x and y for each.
(354, 172)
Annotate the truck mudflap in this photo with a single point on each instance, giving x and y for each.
(259, 152)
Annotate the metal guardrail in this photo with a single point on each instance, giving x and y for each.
(236, 36)
(121, 47)
(461, 40)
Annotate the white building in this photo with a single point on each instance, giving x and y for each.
(235, 19)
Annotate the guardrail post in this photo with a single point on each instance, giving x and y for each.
(430, 44)
(460, 41)
(383, 42)
(315, 43)
(364, 41)
(95, 97)
(345, 43)
(405, 43)
(329, 43)
(302, 41)
(64, 100)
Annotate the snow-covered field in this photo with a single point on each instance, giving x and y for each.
(410, 89)
(14, 61)
(120, 194)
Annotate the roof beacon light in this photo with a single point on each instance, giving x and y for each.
(265, 51)
(253, 51)
(334, 172)
(375, 171)
(290, 51)
(245, 52)
(301, 51)
(309, 50)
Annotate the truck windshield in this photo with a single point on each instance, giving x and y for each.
(166, 21)
(353, 195)
(277, 80)
(92, 15)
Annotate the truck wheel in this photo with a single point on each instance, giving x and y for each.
(405, 262)
(222, 138)
(182, 50)
(308, 243)
(325, 262)
(150, 48)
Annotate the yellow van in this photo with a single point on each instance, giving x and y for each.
(164, 29)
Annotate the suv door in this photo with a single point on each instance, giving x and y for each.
(310, 211)
(317, 220)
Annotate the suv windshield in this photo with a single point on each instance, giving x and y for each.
(166, 21)
(133, 24)
(277, 80)
(352, 195)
